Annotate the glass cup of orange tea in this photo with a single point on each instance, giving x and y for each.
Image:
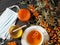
(34, 35)
(24, 14)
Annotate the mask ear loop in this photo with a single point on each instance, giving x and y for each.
(17, 7)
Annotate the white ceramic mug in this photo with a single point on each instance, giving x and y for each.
(45, 36)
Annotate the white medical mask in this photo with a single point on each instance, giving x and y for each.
(7, 18)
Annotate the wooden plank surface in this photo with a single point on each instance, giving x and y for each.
(6, 3)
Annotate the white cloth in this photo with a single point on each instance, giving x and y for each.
(7, 18)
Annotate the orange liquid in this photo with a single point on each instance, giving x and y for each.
(24, 14)
(34, 37)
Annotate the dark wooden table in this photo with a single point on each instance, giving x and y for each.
(6, 3)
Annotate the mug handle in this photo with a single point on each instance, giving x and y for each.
(17, 7)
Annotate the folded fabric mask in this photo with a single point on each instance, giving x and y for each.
(7, 19)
